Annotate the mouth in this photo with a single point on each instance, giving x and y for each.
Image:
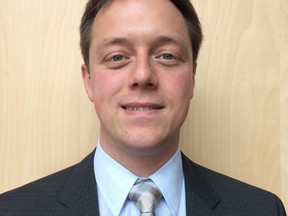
(142, 107)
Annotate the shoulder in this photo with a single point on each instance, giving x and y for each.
(234, 196)
(40, 193)
(41, 197)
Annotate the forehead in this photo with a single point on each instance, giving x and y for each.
(143, 18)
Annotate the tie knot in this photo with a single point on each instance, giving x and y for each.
(145, 194)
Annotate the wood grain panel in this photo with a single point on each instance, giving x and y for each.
(238, 122)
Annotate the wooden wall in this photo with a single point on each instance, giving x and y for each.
(238, 122)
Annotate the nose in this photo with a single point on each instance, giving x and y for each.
(143, 75)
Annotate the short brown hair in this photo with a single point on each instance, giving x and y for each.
(184, 6)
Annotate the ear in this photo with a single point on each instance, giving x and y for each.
(87, 81)
(193, 81)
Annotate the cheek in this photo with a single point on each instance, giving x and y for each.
(178, 90)
(181, 85)
(106, 85)
(105, 88)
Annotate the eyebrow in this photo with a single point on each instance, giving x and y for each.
(112, 41)
(173, 39)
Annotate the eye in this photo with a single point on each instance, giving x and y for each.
(168, 56)
(168, 59)
(117, 58)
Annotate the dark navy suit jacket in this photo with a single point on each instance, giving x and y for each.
(73, 192)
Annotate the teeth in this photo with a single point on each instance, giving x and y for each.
(139, 108)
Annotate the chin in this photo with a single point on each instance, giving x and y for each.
(146, 146)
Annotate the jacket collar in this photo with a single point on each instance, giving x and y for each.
(201, 199)
(80, 192)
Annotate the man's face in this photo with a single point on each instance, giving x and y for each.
(141, 76)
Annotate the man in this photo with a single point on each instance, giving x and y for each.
(140, 61)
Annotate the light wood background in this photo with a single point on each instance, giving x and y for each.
(238, 122)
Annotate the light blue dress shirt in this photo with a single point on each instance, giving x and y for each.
(114, 183)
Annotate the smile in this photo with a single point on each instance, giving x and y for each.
(140, 108)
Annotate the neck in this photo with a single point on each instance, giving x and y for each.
(142, 162)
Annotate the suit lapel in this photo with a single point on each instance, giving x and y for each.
(201, 199)
(80, 192)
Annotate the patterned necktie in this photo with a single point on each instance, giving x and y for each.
(145, 194)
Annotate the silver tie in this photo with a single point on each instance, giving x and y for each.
(145, 194)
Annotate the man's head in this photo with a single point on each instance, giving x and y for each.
(184, 6)
(139, 73)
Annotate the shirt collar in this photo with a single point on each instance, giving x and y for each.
(113, 180)
(169, 178)
(109, 174)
